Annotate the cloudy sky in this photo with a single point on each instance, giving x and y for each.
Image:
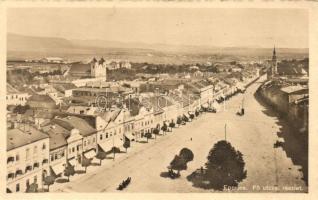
(187, 26)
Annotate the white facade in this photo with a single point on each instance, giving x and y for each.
(17, 99)
(98, 69)
(27, 166)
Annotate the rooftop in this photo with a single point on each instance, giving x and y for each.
(71, 122)
(57, 135)
(22, 136)
(293, 88)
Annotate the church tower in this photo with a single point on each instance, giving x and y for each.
(98, 69)
(274, 63)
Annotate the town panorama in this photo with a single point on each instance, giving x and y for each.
(107, 116)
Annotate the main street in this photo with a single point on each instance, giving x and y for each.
(254, 134)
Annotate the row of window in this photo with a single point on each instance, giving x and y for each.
(57, 156)
(16, 97)
(16, 158)
(88, 142)
(72, 150)
(107, 135)
(27, 169)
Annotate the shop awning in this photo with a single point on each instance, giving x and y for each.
(130, 136)
(215, 105)
(90, 153)
(205, 105)
(72, 161)
(58, 168)
(106, 147)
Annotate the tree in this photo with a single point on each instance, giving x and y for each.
(101, 155)
(148, 135)
(187, 154)
(115, 150)
(185, 118)
(179, 121)
(69, 170)
(172, 125)
(126, 143)
(86, 162)
(155, 132)
(197, 113)
(178, 164)
(164, 128)
(32, 188)
(49, 180)
(225, 166)
(21, 109)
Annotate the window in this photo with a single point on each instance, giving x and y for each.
(106, 135)
(35, 150)
(52, 158)
(27, 153)
(55, 156)
(73, 149)
(77, 148)
(44, 146)
(88, 142)
(100, 137)
(93, 140)
(17, 187)
(62, 154)
(10, 159)
(35, 179)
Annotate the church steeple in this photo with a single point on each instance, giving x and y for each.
(274, 53)
(274, 62)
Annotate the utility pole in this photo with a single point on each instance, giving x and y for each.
(113, 147)
(225, 131)
(224, 101)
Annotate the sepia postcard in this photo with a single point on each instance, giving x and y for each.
(125, 99)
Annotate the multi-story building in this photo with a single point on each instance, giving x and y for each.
(58, 147)
(15, 97)
(27, 158)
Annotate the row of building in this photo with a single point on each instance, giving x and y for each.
(68, 121)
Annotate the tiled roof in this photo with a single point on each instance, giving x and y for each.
(57, 135)
(18, 137)
(72, 122)
(292, 89)
(12, 90)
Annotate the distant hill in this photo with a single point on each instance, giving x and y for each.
(26, 47)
